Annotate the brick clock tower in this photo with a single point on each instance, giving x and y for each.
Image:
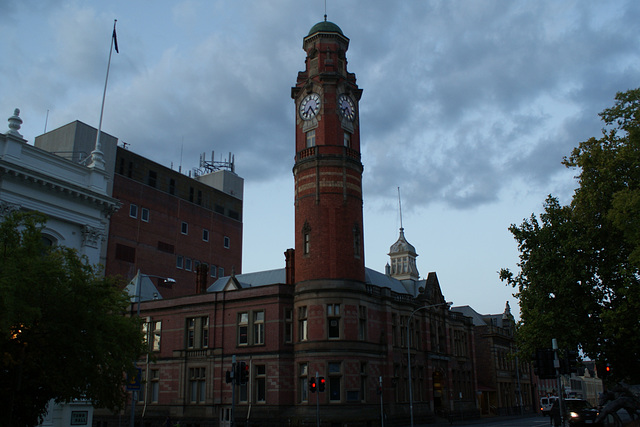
(328, 170)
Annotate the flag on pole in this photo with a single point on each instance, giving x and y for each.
(115, 38)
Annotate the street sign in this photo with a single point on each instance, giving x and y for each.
(133, 383)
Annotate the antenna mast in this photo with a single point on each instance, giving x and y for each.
(400, 208)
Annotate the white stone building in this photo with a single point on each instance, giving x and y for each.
(75, 198)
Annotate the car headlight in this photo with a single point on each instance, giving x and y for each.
(573, 414)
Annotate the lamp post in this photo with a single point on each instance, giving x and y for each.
(409, 351)
(138, 287)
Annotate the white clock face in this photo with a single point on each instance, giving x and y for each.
(310, 106)
(347, 107)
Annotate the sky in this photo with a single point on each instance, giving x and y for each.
(468, 107)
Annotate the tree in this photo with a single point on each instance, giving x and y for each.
(579, 278)
(64, 335)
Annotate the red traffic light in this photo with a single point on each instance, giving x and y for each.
(322, 383)
(312, 385)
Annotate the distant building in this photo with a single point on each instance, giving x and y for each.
(170, 225)
(505, 383)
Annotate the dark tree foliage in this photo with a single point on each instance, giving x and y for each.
(579, 279)
(64, 335)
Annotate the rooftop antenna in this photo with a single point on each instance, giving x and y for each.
(46, 119)
(325, 10)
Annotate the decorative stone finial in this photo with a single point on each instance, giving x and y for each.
(14, 123)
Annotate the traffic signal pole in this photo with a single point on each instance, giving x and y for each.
(317, 402)
(556, 365)
(233, 390)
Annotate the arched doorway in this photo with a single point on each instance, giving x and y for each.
(438, 392)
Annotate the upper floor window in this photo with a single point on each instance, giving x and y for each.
(172, 186)
(205, 235)
(184, 228)
(306, 238)
(258, 327)
(227, 242)
(302, 324)
(251, 328)
(288, 325)
(133, 210)
(144, 214)
(347, 139)
(243, 328)
(198, 332)
(152, 178)
(311, 138)
(356, 241)
(362, 323)
(152, 333)
(333, 321)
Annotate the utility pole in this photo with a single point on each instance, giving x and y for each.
(381, 405)
(556, 365)
(234, 381)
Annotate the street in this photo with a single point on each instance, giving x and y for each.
(515, 421)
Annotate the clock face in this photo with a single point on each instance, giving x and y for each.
(310, 106)
(347, 107)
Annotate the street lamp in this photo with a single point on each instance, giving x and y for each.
(449, 304)
(138, 286)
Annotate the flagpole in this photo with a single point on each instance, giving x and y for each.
(97, 158)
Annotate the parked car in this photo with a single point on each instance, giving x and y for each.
(546, 403)
(580, 412)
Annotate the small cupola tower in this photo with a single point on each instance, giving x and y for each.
(403, 255)
(403, 259)
(328, 169)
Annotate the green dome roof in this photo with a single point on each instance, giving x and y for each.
(325, 27)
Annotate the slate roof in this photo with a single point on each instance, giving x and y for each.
(372, 277)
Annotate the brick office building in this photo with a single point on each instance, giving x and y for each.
(324, 314)
(175, 226)
(168, 224)
(505, 382)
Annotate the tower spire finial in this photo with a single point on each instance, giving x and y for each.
(325, 10)
(400, 209)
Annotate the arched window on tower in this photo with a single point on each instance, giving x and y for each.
(347, 139)
(311, 138)
(306, 238)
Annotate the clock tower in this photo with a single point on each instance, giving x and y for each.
(328, 170)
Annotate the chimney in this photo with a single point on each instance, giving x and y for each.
(290, 272)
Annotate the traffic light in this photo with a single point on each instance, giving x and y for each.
(244, 373)
(312, 385)
(544, 364)
(228, 377)
(321, 385)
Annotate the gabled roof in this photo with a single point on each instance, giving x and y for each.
(148, 290)
(248, 280)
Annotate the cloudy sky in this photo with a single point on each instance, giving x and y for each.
(468, 106)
